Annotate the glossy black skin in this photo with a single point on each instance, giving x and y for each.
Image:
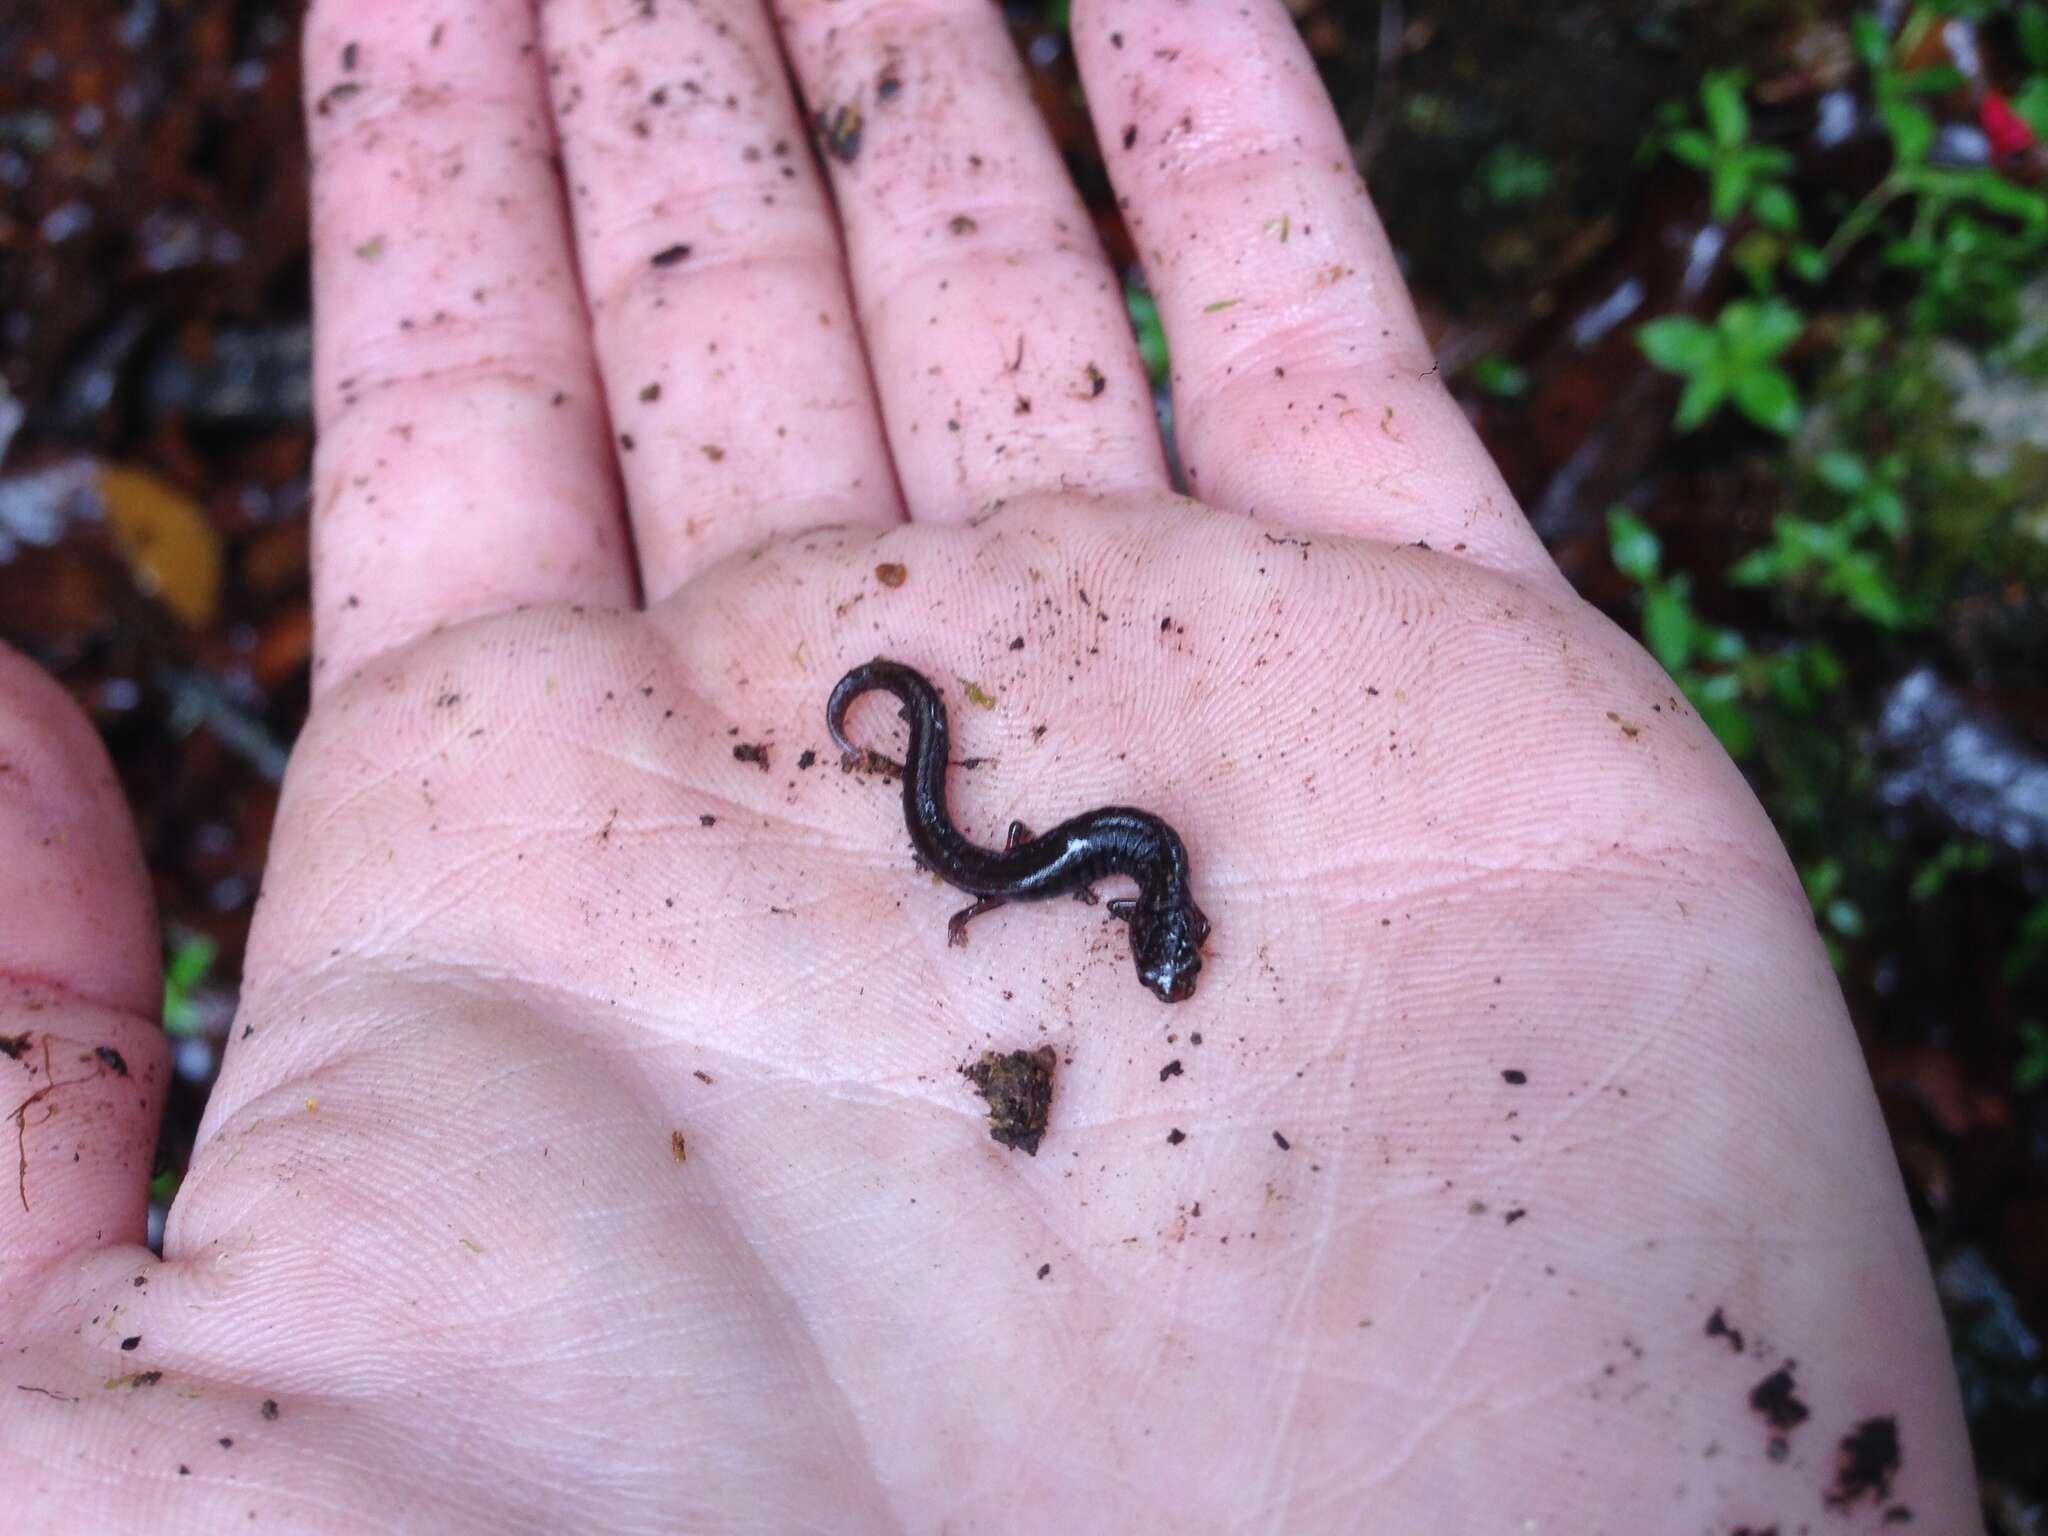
(1167, 928)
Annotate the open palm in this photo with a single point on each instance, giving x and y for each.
(593, 1152)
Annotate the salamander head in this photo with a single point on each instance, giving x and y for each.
(1166, 944)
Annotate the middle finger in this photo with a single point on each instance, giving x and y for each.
(732, 364)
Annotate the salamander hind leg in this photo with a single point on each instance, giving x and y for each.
(1019, 835)
(956, 925)
(1122, 907)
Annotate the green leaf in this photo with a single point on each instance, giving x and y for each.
(1934, 80)
(1725, 714)
(1803, 542)
(1757, 255)
(1868, 588)
(1808, 263)
(1497, 376)
(1724, 647)
(2029, 946)
(2031, 102)
(1151, 335)
(1768, 161)
(1768, 397)
(1668, 626)
(2032, 22)
(1700, 399)
(1758, 568)
(1887, 510)
(1691, 146)
(1840, 470)
(1873, 44)
(190, 962)
(1760, 328)
(1728, 186)
(1678, 343)
(1991, 190)
(1775, 208)
(1912, 131)
(1635, 548)
(2031, 1070)
(1822, 879)
(1721, 98)
(1846, 918)
(1511, 174)
(1823, 666)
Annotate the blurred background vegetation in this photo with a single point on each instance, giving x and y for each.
(1749, 299)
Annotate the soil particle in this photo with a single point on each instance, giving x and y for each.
(1865, 1463)
(1718, 1327)
(1018, 1088)
(1776, 1398)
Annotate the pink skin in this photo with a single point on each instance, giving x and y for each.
(1446, 820)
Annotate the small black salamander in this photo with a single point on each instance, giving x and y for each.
(1167, 928)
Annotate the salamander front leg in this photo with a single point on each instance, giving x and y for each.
(956, 925)
(1122, 907)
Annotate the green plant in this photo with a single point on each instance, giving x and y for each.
(1732, 359)
(1823, 882)
(1151, 334)
(1495, 375)
(2029, 946)
(1511, 174)
(1715, 667)
(1974, 237)
(2031, 1070)
(1835, 552)
(1953, 858)
(186, 967)
(1741, 175)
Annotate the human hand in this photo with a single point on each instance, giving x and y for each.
(592, 1154)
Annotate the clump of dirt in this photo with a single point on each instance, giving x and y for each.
(1865, 1463)
(1018, 1087)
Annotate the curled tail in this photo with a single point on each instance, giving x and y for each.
(922, 707)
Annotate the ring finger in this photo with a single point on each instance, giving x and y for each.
(1002, 352)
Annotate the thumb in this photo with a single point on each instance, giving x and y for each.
(83, 1063)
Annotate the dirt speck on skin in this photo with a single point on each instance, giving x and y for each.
(1718, 1327)
(839, 130)
(890, 574)
(677, 1149)
(1776, 1398)
(111, 1059)
(1018, 1088)
(755, 752)
(1514, 1077)
(14, 1047)
(1865, 1463)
